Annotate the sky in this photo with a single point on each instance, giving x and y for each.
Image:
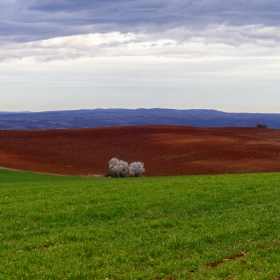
(181, 54)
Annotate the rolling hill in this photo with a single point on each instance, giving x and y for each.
(165, 150)
(126, 117)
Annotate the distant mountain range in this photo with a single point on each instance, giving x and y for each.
(128, 117)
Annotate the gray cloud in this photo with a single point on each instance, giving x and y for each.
(213, 41)
(31, 20)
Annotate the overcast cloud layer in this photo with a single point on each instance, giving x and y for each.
(29, 20)
(203, 38)
(91, 27)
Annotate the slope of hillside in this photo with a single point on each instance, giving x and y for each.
(165, 150)
(126, 117)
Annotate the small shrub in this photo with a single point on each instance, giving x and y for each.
(123, 168)
(136, 169)
(118, 168)
(261, 125)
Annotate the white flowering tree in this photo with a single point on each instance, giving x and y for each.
(136, 168)
(118, 168)
(123, 168)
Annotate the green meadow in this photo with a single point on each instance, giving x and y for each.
(189, 227)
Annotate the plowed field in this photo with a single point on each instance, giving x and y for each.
(165, 150)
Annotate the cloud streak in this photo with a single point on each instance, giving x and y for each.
(213, 40)
(26, 20)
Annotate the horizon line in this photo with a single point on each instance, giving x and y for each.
(134, 109)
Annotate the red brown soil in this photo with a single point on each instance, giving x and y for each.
(165, 150)
(234, 257)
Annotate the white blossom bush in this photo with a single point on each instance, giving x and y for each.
(123, 168)
(114, 166)
(118, 168)
(136, 169)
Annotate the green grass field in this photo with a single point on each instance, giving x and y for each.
(139, 228)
